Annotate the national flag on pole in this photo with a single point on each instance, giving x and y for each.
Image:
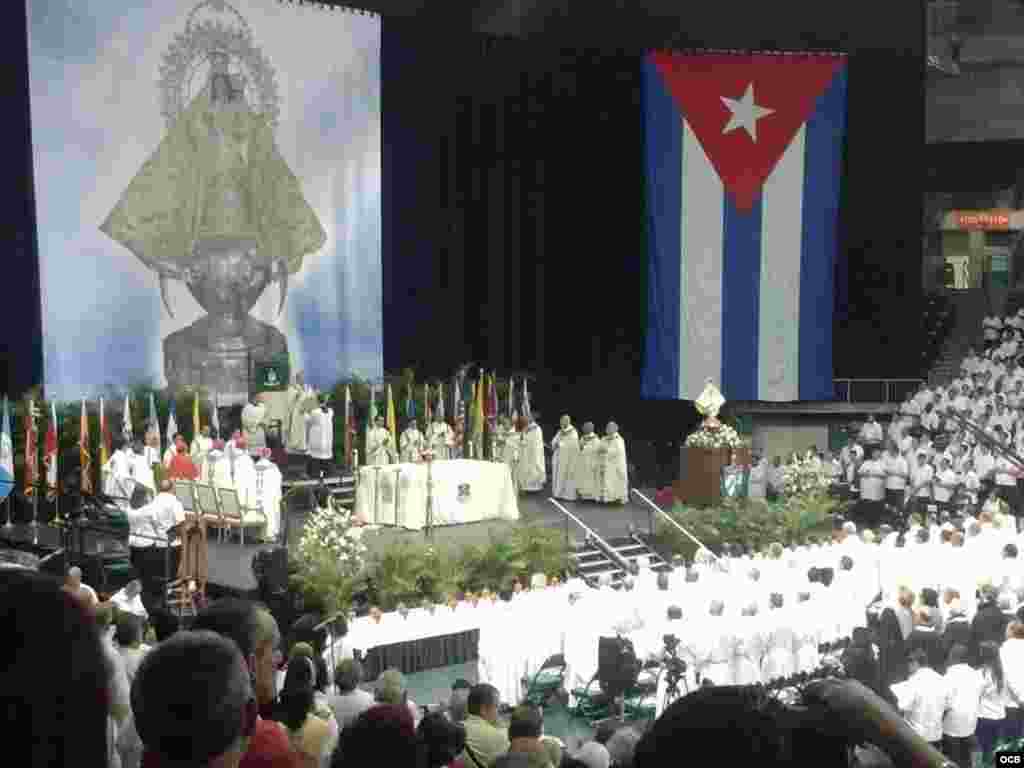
(743, 167)
(458, 405)
(7, 442)
(126, 421)
(392, 422)
(215, 417)
(172, 424)
(492, 403)
(428, 412)
(527, 411)
(104, 437)
(440, 400)
(195, 416)
(410, 402)
(83, 451)
(50, 453)
(478, 411)
(152, 422)
(350, 426)
(31, 449)
(371, 418)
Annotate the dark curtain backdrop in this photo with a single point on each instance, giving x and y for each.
(514, 218)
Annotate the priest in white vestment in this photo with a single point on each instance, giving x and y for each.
(412, 443)
(440, 439)
(320, 439)
(614, 475)
(268, 484)
(254, 423)
(201, 446)
(217, 468)
(532, 470)
(586, 474)
(301, 401)
(118, 482)
(566, 450)
(379, 445)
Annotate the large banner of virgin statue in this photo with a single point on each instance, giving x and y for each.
(208, 192)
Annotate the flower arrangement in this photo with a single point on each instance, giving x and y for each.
(714, 436)
(331, 558)
(805, 476)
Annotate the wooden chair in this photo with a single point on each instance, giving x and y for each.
(207, 504)
(183, 490)
(238, 515)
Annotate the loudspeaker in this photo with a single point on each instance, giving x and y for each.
(270, 567)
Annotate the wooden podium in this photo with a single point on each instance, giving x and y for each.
(700, 473)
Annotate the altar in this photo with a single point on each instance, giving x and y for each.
(464, 491)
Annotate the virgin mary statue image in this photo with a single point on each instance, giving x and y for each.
(217, 207)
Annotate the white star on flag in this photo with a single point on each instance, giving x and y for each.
(745, 113)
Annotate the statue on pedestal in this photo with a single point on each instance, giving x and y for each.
(709, 404)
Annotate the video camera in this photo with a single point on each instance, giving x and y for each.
(675, 667)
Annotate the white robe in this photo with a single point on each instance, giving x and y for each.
(441, 439)
(300, 402)
(614, 477)
(201, 446)
(254, 418)
(379, 447)
(320, 435)
(586, 473)
(412, 444)
(531, 471)
(117, 478)
(563, 464)
(142, 470)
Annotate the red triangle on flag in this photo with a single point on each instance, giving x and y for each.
(704, 85)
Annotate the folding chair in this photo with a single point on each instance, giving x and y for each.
(208, 505)
(237, 515)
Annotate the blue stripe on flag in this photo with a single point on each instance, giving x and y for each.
(741, 290)
(663, 157)
(822, 169)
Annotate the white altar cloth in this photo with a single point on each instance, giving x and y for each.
(464, 492)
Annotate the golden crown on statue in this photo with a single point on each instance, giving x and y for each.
(709, 404)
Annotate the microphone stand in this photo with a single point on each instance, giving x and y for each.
(398, 490)
(428, 527)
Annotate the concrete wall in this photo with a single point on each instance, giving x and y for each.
(979, 105)
(780, 435)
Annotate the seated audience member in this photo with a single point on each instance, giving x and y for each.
(311, 734)
(350, 701)
(129, 642)
(164, 624)
(73, 584)
(964, 685)
(118, 688)
(129, 600)
(525, 728)
(622, 746)
(254, 630)
(593, 755)
(383, 735)
(206, 722)
(992, 708)
(54, 692)
(441, 741)
(860, 661)
(1011, 655)
(390, 689)
(485, 741)
(922, 698)
(459, 699)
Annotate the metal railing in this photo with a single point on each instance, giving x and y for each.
(592, 535)
(875, 390)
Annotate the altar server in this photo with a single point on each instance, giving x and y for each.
(378, 445)
(586, 471)
(412, 443)
(141, 467)
(117, 476)
(320, 438)
(532, 470)
(614, 475)
(254, 423)
(441, 439)
(565, 453)
(201, 446)
(301, 401)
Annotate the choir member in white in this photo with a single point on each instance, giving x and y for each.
(412, 443)
(565, 453)
(141, 466)
(588, 465)
(440, 439)
(613, 466)
(532, 468)
(202, 444)
(320, 439)
(118, 482)
(379, 445)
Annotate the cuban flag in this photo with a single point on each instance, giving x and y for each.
(743, 169)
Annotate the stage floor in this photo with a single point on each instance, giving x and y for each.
(230, 565)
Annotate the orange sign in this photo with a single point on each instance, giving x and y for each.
(990, 220)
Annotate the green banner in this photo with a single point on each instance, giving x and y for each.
(270, 376)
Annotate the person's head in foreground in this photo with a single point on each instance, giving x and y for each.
(483, 702)
(390, 688)
(206, 722)
(53, 702)
(384, 735)
(254, 630)
(743, 725)
(441, 740)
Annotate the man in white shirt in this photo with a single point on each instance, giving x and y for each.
(921, 484)
(129, 599)
(152, 533)
(872, 476)
(871, 432)
(320, 439)
(897, 472)
(944, 486)
(964, 686)
(923, 698)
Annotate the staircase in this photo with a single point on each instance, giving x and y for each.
(970, 308)
(591, 562)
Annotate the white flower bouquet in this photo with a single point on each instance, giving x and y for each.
(805, 476)
(721, 436)
(331, 533)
